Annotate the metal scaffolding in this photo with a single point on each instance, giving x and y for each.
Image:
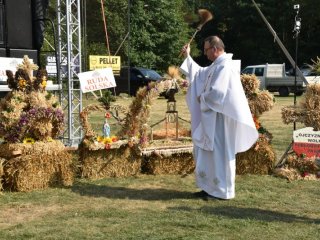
(69, 59)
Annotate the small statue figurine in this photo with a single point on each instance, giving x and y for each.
(106, 128)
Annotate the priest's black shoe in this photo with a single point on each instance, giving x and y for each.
(201, 194)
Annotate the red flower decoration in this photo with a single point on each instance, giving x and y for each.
(256, 122)
(107, 115)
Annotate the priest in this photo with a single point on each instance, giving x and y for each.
(221, 121)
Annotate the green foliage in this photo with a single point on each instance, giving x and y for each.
(107, 98)
(158, 31)
(159, 28)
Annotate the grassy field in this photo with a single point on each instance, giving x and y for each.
(162, 207)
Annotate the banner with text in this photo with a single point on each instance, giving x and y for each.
(306, 141)
(99, 62)
(96, 80)
(9, 64)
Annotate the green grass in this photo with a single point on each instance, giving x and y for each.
(272, 121)
(162, 207)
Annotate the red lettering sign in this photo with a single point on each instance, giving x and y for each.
(309, 149)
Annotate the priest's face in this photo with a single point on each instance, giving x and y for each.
(209, 51)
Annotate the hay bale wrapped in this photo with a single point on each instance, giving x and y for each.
(168, 157)
(118, 160)
(36, 166)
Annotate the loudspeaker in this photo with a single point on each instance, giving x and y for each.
(18, 24)
(3, 52)
(2, 23)
(19, 53)
(39, 9)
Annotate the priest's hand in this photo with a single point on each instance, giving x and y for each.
(185, 50)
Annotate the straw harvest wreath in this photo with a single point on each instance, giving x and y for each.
(308, 113)
(28, 113)
(135, 123)
(260, 158)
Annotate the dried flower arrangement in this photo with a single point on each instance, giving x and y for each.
(30, 120)
(28, 113)
(101, 158)
(260, 158)
(308, 110)
(316, 66)
(259, 101)
(136, 122)
(308, 113)
(93, 141)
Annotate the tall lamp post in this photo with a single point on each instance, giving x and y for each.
(296, 30)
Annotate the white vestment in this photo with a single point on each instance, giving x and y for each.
(221, 124)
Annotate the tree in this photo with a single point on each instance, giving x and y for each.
(158, 32)
(159, 28)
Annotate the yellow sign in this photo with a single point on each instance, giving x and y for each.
(99, 62)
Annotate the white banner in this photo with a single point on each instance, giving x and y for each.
(97, 80)
(306, 135)
(9, 64)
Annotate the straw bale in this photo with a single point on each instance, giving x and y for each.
(287, 173)
(9, 150)
(36, 166)
(101, 163)
(178, 163)
(259, 159)
(292, 174)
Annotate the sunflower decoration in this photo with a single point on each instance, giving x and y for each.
(100, 138)
(40, 83)
(28, 140)
(23, 80)
(22, 84)
(107, 140)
